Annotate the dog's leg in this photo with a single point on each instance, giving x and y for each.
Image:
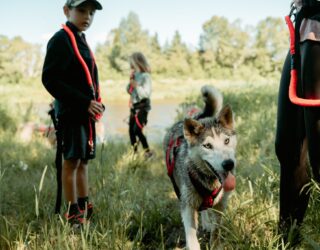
(190, 222)
(214, 219)
(208, 220)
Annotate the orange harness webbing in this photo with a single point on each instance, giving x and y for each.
(88, 76)
(294, 73)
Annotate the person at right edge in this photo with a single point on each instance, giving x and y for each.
(298, 128)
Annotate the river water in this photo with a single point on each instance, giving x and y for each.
(116, 116)
(161, 116)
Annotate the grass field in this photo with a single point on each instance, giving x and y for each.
(135, 206)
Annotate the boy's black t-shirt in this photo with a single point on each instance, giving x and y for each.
(64, 77)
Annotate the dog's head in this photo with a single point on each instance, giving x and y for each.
(212, 145)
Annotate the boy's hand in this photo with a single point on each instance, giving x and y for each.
(95, 108)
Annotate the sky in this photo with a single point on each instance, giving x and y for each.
(37, 20)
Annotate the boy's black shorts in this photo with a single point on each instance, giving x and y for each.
(75, 137)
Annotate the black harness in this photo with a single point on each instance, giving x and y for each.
(58, 160)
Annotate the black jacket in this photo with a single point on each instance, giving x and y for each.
(64, 77)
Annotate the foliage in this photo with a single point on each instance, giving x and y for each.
(226, 50)
(7, 122)
(19, 60)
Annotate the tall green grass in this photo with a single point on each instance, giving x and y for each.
(135, 206)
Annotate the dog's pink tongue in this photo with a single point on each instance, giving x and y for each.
(229, 183)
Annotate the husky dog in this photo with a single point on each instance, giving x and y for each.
(200, 158)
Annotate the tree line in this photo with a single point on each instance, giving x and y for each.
(225, 50)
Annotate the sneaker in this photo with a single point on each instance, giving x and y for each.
(75, 220)
(148, 154)
(89, 211)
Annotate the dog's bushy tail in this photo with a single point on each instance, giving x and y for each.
(213, 101)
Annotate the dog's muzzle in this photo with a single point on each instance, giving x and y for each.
(214, 171)
(228, 180)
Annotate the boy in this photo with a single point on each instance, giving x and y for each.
(78, 103)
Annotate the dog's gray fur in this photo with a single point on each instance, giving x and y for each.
(208, 142)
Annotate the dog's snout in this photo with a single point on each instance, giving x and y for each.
(228, 165)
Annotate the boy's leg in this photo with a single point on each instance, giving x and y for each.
(83, 189)
(69, 179)
(69, 182)
(82, 179)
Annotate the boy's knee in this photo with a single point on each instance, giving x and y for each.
(71, 163)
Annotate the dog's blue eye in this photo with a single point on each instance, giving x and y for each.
(226, 141)
(208, 146)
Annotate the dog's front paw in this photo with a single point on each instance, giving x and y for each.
(193, 246)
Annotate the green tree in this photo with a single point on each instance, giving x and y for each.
(271, 45)
(128, 38)
(156, 57)
(177, 56)
(19, 60)
(224, 45)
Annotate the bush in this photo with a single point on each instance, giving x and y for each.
(7, 122)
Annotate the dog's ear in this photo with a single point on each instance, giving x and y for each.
(192, 128)
(225, 117)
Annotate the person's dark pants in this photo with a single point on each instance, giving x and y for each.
(138, 119)
(298, 134)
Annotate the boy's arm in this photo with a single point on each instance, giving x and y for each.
(144, 89)
(57, 59)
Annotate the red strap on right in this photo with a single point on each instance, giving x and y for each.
(294, 74)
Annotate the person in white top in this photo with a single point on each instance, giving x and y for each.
(139, 89)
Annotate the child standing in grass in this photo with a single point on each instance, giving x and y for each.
(139, 89)
(78, 102)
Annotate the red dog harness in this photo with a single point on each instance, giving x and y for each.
(209, 196)
(91, 83)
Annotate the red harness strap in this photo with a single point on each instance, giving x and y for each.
(137, 121)
(210, 200)
(170, 163)
(294, 74)
(91, 83)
